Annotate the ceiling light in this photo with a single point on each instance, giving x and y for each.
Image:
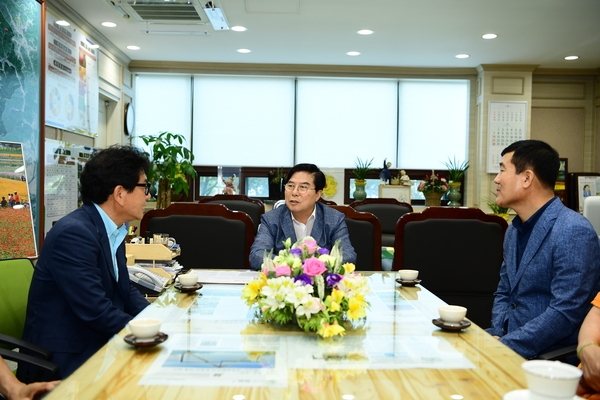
(353, 53)
(216, 17)
(462, 56)
(95, 46)
(490, 36)
(238, 28)
(571, 58)
(109, 24)
(131, 47)
(365, 32)
(166, 32)
(62, 23)
(244, 51)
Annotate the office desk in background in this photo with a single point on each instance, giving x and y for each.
(216, 350)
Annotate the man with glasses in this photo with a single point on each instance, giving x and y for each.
(302, 215)
(80, 294)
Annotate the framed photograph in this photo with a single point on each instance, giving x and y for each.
(587, 186)
(560, 188)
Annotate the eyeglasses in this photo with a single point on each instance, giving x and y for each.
(146, 187)
(301, 188)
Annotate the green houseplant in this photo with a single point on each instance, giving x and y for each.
(361, 171)
(171, 165)
(456, 173)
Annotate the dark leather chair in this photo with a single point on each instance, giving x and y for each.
(327, 202)
(388, 211)
(365, 235)
(239, 202)
(210, 235)
(15, 279)
(458, 252)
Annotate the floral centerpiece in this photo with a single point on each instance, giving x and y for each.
(311, 285)
(433, 184)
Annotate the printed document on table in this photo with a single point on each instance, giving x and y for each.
(229, 277)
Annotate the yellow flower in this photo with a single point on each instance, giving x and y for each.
(333, 300)
(330, 188)
(349, 267)
(326, 330)
(253, 288)
(355, 309)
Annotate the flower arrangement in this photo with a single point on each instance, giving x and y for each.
(433, 183)
(311, 285)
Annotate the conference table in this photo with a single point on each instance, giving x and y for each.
(218, 349)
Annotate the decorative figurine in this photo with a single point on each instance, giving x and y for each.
(404, 179)
(385, 175)
(229, 187)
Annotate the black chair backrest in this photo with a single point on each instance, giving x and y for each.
(458, 252)
(388, 211)
(365, 235)
(253, 207)
(210, 235)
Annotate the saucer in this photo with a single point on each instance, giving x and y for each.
(408, 283)
(523, 394)
(450, 326)
(158, 339)
(186, 289)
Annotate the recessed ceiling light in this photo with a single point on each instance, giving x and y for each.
(462, 56)
(490, 36)
(571, 58)
(109, 24)
(131, 47)
(365, 32)
(353, 53)
(238, 28)
(62, 23)
(244, 51)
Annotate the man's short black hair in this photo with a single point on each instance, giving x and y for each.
(537, 156)
(317, 174)
(108, 168)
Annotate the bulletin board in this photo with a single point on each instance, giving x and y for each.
(63, 165)
(507, 123)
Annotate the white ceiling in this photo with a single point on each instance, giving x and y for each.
(408, 33)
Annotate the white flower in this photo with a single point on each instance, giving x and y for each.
(311, 306)
(275, 292)
(299, 294)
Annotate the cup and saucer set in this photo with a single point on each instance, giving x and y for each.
(452, 318)
(408, 277)
(188, 283)
(145, 332)
(548, 380)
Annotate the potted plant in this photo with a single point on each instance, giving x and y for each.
(456, 173)
(361, 171)
(433, 188)
(171, 165)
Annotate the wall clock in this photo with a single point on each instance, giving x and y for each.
(129, 119)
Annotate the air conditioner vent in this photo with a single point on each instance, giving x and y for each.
(166, 12)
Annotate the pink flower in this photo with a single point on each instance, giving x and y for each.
(313, 267)
(284, 270)
(311, 246)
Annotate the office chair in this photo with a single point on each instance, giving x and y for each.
(239, 202)
(458, 252)
(591, 210)
(365, 235)
(210, 235)
(15, 279)
(388, 211)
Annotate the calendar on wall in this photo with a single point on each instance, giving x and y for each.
(507, 123)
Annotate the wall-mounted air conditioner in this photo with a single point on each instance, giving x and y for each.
(160, 11)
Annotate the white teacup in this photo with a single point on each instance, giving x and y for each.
(188, 279)
(408, 274)
(145, 328)
(452, 314)
(551, 379)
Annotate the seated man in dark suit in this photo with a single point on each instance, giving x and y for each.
(303, 215)
(551, 267)
(80, 293)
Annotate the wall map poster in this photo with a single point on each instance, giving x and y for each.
(20, 85)
(71, 79)
(507, 123)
